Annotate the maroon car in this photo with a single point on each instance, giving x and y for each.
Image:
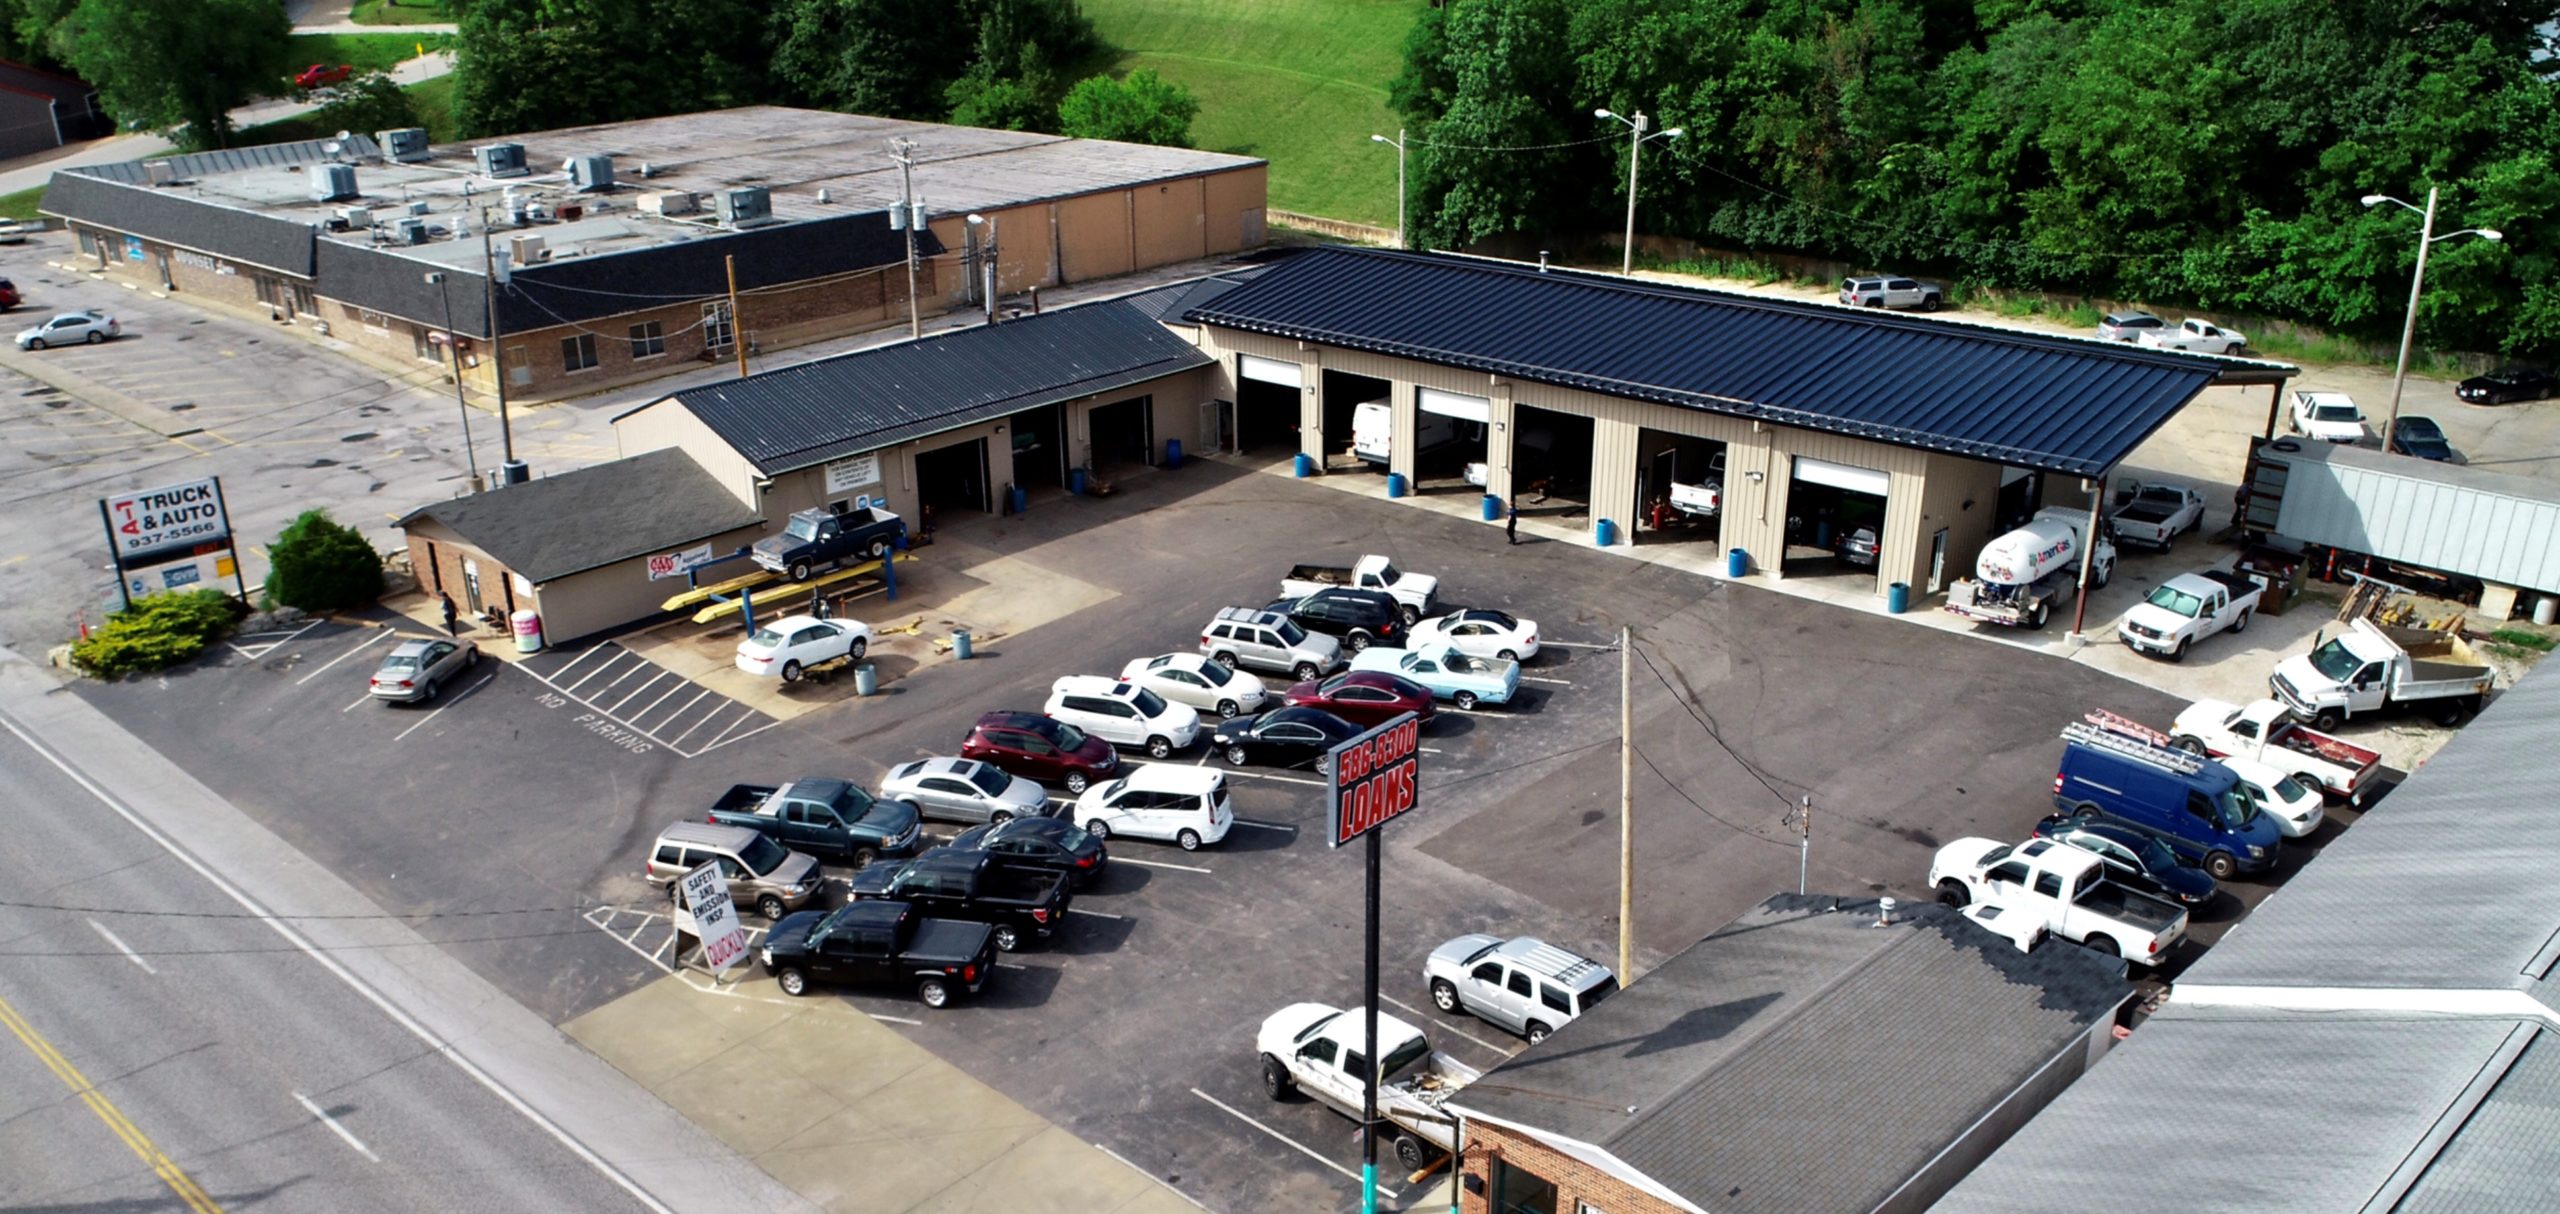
(1364, 697)
(1035, 747)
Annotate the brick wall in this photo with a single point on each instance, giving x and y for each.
(438, 558)
(1575, 1181)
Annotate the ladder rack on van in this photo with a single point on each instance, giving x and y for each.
(2116, 722)
(2099, 738)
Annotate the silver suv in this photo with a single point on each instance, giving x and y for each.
(1268, 640)
(1525, 985)
(762, 873)
(1891, 293)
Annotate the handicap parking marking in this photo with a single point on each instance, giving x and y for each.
(1292, 1143)
(260, 649)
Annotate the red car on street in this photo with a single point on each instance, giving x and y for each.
(320, 75)
(1036, 747)
(1364, 697)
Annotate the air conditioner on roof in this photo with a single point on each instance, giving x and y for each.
(670, 202)
(406, 145)
(528, 250)
(591, 174)
(159, 172)
(744, 206)
(501, 160)
(333, 182)
(407, 230)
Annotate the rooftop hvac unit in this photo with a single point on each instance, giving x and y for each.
(407, 230)
(664, 202)
(501, 160)
(529, 249)
(745, 206)
(591, 174)
(333, 182)
(417, 206)
(160, 172)
(355, 217)
(407, 145)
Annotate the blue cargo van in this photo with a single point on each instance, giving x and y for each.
(2189, 802)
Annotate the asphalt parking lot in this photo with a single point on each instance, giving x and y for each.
(515, 826)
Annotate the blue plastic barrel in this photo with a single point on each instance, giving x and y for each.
(1897, 597)
(1822, 533)
(1306, 465)
(1736, 562)
(1021, 501)
(1395, 484)
(1075, 481)
(960, 643)
(866, 681)
(1492, 508)
(1605, 532)
(1173, 453)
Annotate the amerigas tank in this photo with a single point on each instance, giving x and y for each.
(2030, 552)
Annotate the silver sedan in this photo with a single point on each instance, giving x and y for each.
(414, 671)
(964, 790)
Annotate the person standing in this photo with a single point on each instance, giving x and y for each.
(452, 618)
(1511, 521)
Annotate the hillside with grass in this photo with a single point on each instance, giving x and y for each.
(1300, 83)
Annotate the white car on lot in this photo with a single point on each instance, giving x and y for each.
(2199, 336)
(1199, 681)
(1123, 714)
(1523, 984)
(92, 326)
(1479, 632)
(2297, 807)
(1186, 806)
(790, 646)
(964, 790)
(2329, 416)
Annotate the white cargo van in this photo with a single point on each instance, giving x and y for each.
(1373, 430)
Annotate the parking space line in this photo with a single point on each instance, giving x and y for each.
(368, 696)
(1440, 1024)
(1531, 678)
(1293, 1143)
(1161, 864)
(662, 698)
(641, 690)
(1078, 910)
(466, 694)
(726, 739)
(1149, 1175)
(681, 709)
(708, 717)
(642, 664)
(1266, 825)
(618, 655)
(268, 647)
(369, 642)
(733, 725)
(583, 655)
(1260, 775)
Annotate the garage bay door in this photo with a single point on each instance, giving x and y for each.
(1453, 404)
(1840, 476)
(1271, 371)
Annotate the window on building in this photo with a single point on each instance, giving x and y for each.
(428, 350)
(1521, 1192)
(88, 243)
(718, 331)
(578, 352)
(649, 340)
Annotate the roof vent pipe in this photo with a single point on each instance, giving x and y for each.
(1884, 912)
(1542, 261)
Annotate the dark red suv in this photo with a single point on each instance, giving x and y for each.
(1036, 747)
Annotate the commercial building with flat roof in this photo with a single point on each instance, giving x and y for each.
(613, 246)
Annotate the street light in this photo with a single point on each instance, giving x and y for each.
(1398, 144)
(2417, 280)
(1636, 139)
(987, 259)
(453, 346)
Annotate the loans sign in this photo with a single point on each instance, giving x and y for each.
(1376, 777)
(168, 522)
(715, 917)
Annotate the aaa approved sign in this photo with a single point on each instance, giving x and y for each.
(171, 521)
(715, 917)
(1376, 777)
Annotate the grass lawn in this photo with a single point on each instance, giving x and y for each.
(1300, 83)
(21, 205)
(399, 12)
(365, 52)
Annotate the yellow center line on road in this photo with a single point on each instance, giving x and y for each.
(153, 1157)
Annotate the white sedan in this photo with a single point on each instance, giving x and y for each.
(790, 646)
(1479, 632)
(92, 326)
(1196, 680)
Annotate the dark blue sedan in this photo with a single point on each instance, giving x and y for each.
(2134, 860)
(2421, 437)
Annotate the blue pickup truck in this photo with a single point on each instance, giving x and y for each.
(818, 540)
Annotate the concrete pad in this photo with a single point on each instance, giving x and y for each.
(1024, 1181)
(849, 1056)
(755, 1099)
(666, 1028)
(852, 1163)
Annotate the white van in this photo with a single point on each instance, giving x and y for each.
(1187, 806)
(1373, 431)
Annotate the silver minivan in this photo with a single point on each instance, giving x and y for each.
(1525, 984)
(762, 873)
(1267, 640)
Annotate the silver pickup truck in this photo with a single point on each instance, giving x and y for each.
(1316, 1048)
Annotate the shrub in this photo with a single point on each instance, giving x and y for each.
(320, 565)
(1144, 108)
(157, 632)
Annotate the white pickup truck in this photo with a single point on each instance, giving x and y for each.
(2154, 515)
(2328, 416)
(1706, 498)
(1315, 1048)
(2369, 668)
(2063, 887)
(2187, 609)
(1417, 593)
(2199, 336)
(2266, 731)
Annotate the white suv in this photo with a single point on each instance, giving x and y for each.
(1891, 293)
(1189, 678)
(1123, 714)
(1187, 806)
(1523, 984)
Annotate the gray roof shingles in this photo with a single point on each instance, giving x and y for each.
(224, 231)
(1802, 1059)
(2054, 403)
(592, 517)
(800, 416)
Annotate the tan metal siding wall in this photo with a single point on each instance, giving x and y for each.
(1906, 473)
(1093, 236)
(1963, 496)
(1169, 221)
(1613, 474)
(620, 593)
(1237, 200)
(668, 424)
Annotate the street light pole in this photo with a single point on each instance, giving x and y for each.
(453, 347)
(1398, 141)
(1636, 139)
(987, 260)
(2417, 283)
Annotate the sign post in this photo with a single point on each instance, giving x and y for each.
(1376, 778)
(715, 917)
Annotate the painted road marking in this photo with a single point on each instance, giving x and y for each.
(466, 694)
(572, 689)
(121, 946)
(153, 1157)
(369, 642)
(1078, 910)
(368, 698)
(1531, 678)
(662, 698)
(1266, 825)
(583, 656)
(643, 690)
(261, 649)
(343, 1134)
(1439, 1024)
(1294, 1144)
(605, 919)
(657, 736)
(1261, 775)
(643, 664)
(1159, 864)
(1149, 1175)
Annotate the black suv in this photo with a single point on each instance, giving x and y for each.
(1360, 617)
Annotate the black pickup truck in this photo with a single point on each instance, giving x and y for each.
(829, 819)
(818, 540)
(880, 944)
(971, 886)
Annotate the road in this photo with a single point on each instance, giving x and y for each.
(229, 1069)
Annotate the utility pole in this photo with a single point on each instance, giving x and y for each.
(497, 363)
(1399, 143)
(1626, 806)
(910, 218)
(987, 260)
(2417, 282)
(1804, 842)
(1636, 139)
(453, 347)
(737, 335)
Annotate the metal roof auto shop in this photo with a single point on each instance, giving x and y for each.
(1579, 394)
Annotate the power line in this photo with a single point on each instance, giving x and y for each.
(1721, 820)
(1708, 724)
(1517, 147)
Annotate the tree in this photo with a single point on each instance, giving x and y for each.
(175, 64)
(320, 565)
(528, 65)
(893, 58)
(371, 102)
(1012, 83)
(1140, 109)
